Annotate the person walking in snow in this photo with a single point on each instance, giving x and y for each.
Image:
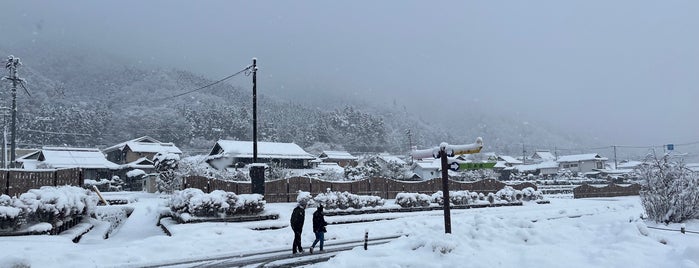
(297, 218)
(319, 224)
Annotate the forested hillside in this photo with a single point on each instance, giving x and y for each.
(88, 99)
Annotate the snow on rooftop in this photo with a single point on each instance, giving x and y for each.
(510, 159)
(275, 150)
(580, 157)
(429, 164)
(392, 158)
(60, 157)
(533, 167)
(545, 155)
(340, 155)
(120, 146)
(150, 147)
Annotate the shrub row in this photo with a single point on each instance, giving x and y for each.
(194, 202)
(345, 200)
(50, 204)
(505, 195)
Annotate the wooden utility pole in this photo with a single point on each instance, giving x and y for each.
(445, 187)
(12, 65)
(615, 162)
(254, 110)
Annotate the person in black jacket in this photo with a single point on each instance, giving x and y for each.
(297, 218)
(319, 224)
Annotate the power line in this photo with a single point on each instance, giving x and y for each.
(199, 88)
(56, 133)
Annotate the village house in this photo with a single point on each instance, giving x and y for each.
(427, 169)
(236, 154)
(132, 152)
(582, 163)
(91, 160)
(342, 158)
(542, 156)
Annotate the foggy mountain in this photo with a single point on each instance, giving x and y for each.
(88, 98)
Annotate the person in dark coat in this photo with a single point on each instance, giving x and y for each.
(297, 218)
(319, 224)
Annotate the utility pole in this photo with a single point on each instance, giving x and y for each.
(4, 137)
(615, 163)
(254, 110)
(445, 187)
(257, 171)
(524, 155)
(12, 65)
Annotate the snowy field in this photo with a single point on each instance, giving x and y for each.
(598, 232)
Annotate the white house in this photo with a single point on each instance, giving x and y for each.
(427, 169)
(231, 154)
(542, 156)
(543, 168)
(342, 158)
(134, 150)
(91, 160)
(582, 163)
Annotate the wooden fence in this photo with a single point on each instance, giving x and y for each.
(14, 182)
(286, 190)
(585, 191)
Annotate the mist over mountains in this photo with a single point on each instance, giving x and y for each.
(89, 98)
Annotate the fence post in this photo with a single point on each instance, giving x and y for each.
(366, 238)
(682, 229)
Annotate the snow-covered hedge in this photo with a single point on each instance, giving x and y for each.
(505, 195)
(345, 200)
(194, 202)
(413, 200)
(49, 204)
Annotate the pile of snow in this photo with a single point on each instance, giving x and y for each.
(48, 204)
(345, 200)
(194, 202)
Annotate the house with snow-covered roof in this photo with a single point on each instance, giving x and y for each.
(509, 160)
(427, 169)
(543, 168)
(133, 150)
(542, 156)
(232, 154)
(582, 163)
(91, 160)
(342, 158)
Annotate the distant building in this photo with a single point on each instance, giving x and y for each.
(234, 154)
(91, 160)
(427, 169)
(542, 156)
(582, 163)
(342, 158)
(544, 168)
(134, 150)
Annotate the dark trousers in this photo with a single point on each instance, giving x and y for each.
(320, 237)
(297, 242)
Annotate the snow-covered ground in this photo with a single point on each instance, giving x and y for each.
(598, 232)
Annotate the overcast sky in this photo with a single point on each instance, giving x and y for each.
(625, 70)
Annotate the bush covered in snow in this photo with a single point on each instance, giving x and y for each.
(49, 204)
(194, 202)
(344, 200)
(455, 197)
(303, 197)
(670, 192)
(413, 200)
(166, 166)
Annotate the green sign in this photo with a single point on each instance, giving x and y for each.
(470, 166)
